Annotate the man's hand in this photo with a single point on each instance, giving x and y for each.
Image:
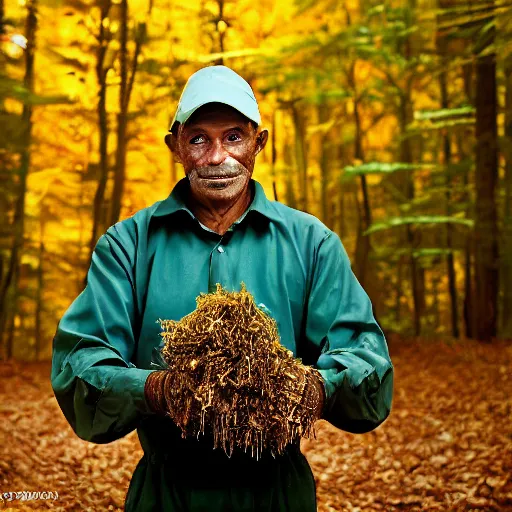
(157, 382)
(314, 392)
(318, 382)
(154, 388)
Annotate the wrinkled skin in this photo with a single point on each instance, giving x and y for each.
(217, 147)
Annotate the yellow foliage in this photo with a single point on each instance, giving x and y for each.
(296, 61)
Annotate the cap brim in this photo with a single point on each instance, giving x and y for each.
(235, 98)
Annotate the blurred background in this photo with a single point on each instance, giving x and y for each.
(389, 121)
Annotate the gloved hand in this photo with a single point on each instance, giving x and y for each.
(317, 382)
(156, 383)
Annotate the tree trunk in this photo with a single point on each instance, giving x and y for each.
(406, 156)
(274, 155)
(220, 30)
(291, 198)
(399, 290)
(469, 289)
(452, 283)
(342, 161)
(342, 227)
(301, 155)
(11, 316)
(470, 317)
(409, 47)
(2, 66)
(506, 248)
(323, 117)
(10, 285)
(40, 288)
(2, 16)
(2, 32)
(99, 213)
(486, 231)
(445, 52)
(126, 87)
(450, 46)
(120, 168)
(365, 218)
(435, 300)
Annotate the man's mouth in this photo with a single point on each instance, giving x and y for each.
(219, 177)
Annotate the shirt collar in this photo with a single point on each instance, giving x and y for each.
(176, 201)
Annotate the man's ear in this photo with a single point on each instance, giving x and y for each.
(171, 142)
(261, 140)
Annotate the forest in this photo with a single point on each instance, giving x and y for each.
(389, 120)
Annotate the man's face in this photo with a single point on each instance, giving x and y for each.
(217, 147)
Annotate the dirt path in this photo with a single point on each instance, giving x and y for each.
(447, 445)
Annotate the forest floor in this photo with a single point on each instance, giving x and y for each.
(447, 445)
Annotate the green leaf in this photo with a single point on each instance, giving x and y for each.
(424, 115)
(418, 220)
(485, 37)
(431, 251)
(383, 168)
(393, 253)
(416, 128)
(378, 9)
(467, 19)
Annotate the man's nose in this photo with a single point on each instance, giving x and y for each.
(217, 153)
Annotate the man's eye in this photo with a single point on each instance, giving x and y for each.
(197, 139)
(233, 137)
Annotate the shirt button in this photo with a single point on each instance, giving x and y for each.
(220, 248)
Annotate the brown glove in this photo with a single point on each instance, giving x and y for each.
(158, 381)
(316, 387)
(156, 384)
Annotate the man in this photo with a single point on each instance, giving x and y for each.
(216, 226)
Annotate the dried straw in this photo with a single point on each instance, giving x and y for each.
(229, 376)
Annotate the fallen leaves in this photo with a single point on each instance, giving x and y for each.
(447, 445)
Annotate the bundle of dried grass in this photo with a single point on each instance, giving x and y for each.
(230, 376)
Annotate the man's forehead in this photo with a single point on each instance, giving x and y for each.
(216, 113)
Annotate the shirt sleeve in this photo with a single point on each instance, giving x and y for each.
(354, 359)
(99, 390)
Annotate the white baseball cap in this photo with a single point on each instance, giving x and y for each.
(216, 84)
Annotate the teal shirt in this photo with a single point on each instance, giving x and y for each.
(153, 266)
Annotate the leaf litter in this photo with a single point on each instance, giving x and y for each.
(447, 445)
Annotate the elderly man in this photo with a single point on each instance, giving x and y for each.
(216, 226)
